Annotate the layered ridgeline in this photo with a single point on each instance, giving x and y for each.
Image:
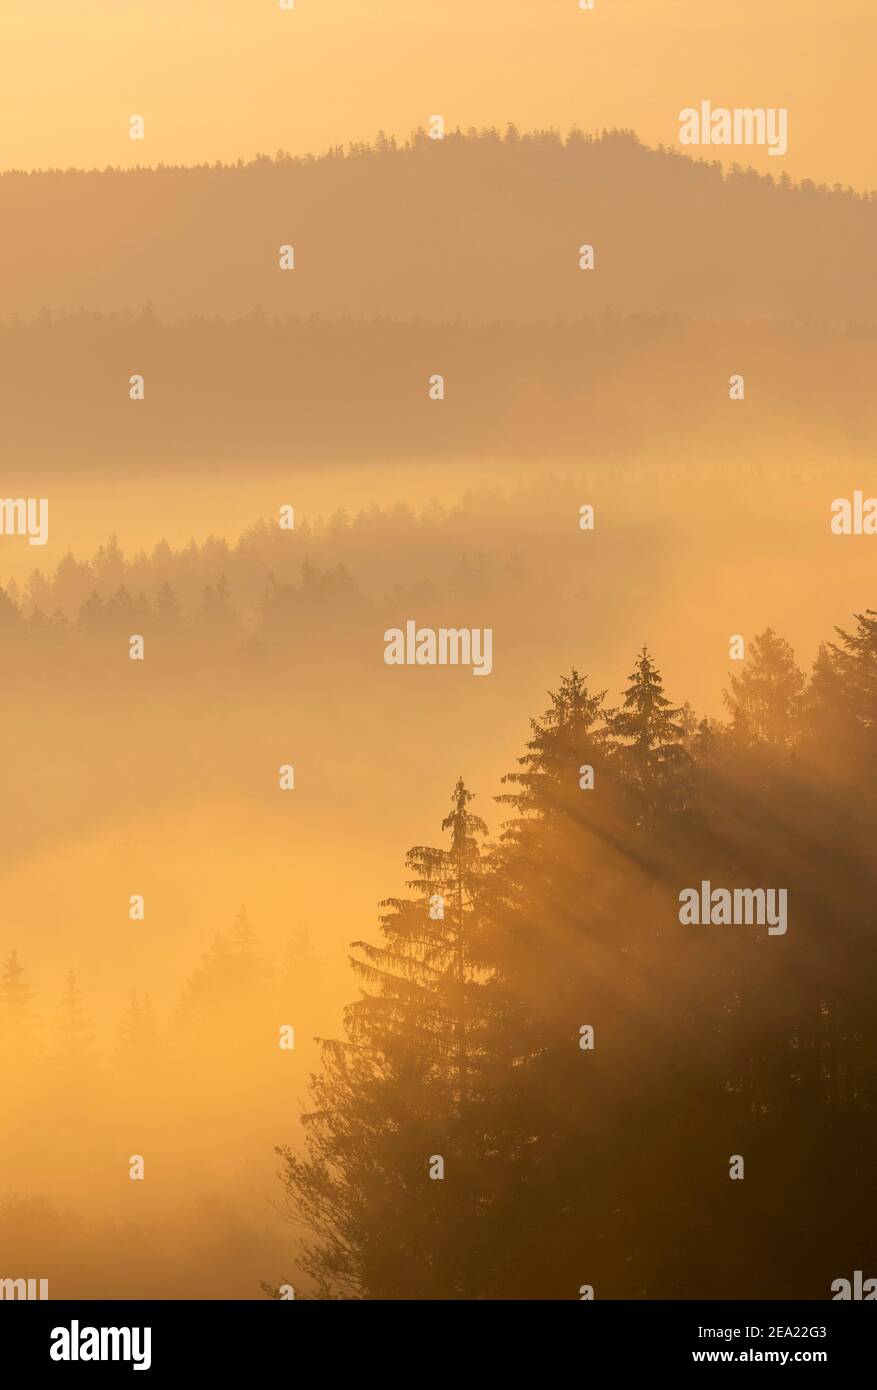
(477, 297)
(480, 226)
(208, 393)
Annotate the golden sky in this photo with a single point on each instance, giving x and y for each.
(222, 79)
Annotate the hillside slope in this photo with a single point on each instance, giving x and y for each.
(477, 226)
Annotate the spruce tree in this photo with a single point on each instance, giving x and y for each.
(765, 700)
(16, 1021)
(73, 1049)
(221, 1016)
(651, 756)
(137, 1041)
(246, 962)
(557, 945)
(167, 609)
(403, 1089)
(569, 736)
(856, 663)
(228, 972)
(833, 733)
(299, 953)
(421, 975)
(574, 905)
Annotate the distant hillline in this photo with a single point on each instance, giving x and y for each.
(478, 226)
(419, 139)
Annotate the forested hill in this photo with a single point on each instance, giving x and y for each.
(478, 226)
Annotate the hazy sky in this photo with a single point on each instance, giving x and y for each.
(222, 79)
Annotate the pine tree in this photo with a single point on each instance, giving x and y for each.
(73, 1039)
(651, 756)
(221, 1020)
(243, 935)
(90, 623)
(109, 566)
(216, 619)
(11, 627)
(137, 1041)
(167, 608)
(302, 974)
(16, 1022)
(765, 700)
(554, 946)
(228, 971)
(573, 907)
(403, 1087)
(569, 736)
(830, 729)
(423, 971)
(173, 630)
(856, 664)
(299, 953)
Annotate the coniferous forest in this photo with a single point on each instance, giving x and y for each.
(534, 1014)
(607, 1028)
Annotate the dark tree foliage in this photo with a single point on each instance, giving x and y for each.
(404, 1089)
(587, 1065)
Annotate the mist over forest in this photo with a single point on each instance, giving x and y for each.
(264, 647)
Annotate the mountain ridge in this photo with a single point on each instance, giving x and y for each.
(477, 226)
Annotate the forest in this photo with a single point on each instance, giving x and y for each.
(517, 1073)
(534, 1015)
(482, 225)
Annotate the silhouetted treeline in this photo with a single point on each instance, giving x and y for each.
(479, 225)
(268, 591)
(290, 389)
(539, 1021)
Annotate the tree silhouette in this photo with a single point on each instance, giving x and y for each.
(651, 756)
(403, 1088)
(856, 663)
(137, 1041)
(561, 1042)
(765, 700)
(16, 1021)
(569, 735)
(73, 1041)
